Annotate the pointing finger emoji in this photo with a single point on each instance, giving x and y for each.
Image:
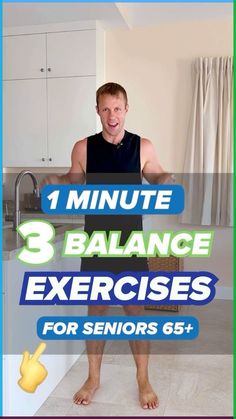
(32, 371)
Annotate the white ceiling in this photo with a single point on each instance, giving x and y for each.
(157, 13)
(21, 14)
(112, 14)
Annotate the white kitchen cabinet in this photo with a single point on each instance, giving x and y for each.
(71, 110)
(24, 123)
(71, 54)
(41, 125)
(45, 115)
(24, 57)
(60, 54)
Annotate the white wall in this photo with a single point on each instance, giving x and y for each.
(155, 66)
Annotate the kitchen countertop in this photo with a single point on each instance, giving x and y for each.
(12, 241)
(28, 215)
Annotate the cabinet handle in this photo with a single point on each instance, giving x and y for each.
(42, 70)
(50, 159)
(49, 69)
(43, 159)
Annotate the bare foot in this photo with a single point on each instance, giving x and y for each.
(147, 397)
(85, 394)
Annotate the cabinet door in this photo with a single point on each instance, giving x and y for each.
(24, 57)
(24, 123)
(71, 53)
(71, 115)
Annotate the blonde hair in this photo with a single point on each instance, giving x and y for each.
(112, 89)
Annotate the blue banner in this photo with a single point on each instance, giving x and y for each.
(112, 199)
(118, 328)
(95, 288)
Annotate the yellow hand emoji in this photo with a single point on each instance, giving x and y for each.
(32, 371)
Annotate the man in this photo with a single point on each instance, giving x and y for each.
(114, 150)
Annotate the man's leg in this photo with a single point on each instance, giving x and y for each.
(94, 352)
(140, 349)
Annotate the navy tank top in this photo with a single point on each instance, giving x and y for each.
(109, 163)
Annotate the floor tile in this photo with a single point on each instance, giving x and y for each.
(71, 383)
(199, 394)
(200, 362)
(108, 409)
(55, 406)
(186, 385)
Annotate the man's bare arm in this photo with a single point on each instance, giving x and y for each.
(151, 168)
(76, 174)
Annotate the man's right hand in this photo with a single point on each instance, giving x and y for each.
(67, 179)
(52, 180)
